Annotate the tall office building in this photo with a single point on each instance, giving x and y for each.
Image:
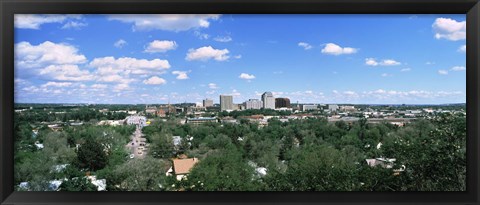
(207, 103)
(268, 100)
(253, 104)
(226, 102)
(282, 102)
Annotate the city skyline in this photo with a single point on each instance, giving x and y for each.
(155, 59)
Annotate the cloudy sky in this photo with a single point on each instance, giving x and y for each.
(392, 59)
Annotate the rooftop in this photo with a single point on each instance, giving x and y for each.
(183, 166)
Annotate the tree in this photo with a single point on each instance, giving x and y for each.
(78, 184)
(91, 155)
(162, 146)
(222, 170)
(142, 174)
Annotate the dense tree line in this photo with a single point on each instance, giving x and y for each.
(314, 155)
(299, 155)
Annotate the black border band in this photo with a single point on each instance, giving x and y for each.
(9, 7)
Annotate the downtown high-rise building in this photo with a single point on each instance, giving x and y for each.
(208, 103)
(253, 104)
(268, 100)
(282, 102)
(226, 102)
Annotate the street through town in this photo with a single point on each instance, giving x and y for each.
(138, 144)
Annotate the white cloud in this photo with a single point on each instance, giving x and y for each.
(305, 46)
(201, 36)
(246, 76)
(386, 62)
(334, 49)
(181, 75)
(125, 66)
(386, 75)
(121, 87)
(74, 25)
(155, 81)
(98, 86)
(207, 52)
(458, 68)
(223, 39)
(66, 73)
(34, 21)
(405, 70)
(237, 56)
(235, 93)
(462, 49)
(430, 63)
(168, 22)
(443, 72)
(212, 86)
(112, 78)
(449, 29)
(55, 84)
(158, 46)
(46, 53)
(120, 43)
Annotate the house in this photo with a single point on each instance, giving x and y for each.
(383, 162)
(181, 167)
(101, 184)
(39, 145)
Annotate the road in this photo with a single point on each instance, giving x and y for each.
(137, 144)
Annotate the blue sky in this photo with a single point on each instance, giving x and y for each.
(377, 59)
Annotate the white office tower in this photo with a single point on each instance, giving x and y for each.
(268, 100)
(207, 103)
(253, 104)
(226, 102)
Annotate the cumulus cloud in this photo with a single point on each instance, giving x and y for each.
(305, 46)
(57, 84)
(462, 49)
(34, 21)
(237, 56)
(126, 65)
(449, 29)
(212, 86)
(98, 86)
(181, 75)
(167, 22)
(386, 62)
(46, 53)
(207, 52)
(443, 72)
(74, 25)
(200, 35)
(334, 49)
(158, 46)
(223, 39)
(246, 76)
(120, 43)
(405, 70)
(121, 87)
(155, 80)
(66, 73)
(458, 68)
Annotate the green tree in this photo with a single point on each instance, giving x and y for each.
(78, 184)
(222, 170)
(142, 174)
(91, 155)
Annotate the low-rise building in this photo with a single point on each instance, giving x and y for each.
(181, 167)
(201, 120)
(307, 107)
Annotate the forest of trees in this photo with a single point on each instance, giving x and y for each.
(299, 155)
